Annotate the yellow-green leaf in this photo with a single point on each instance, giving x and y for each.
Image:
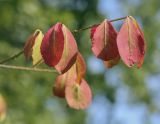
(36, 54)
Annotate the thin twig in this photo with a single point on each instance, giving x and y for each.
(118, 19)
(12, 57)
(86, 28)
(27, 68)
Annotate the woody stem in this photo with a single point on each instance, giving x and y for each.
(86, 28)
(27, 68)
(12, 57)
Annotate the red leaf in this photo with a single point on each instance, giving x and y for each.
(70, 51)
(59, 86)
(103, 39)
(72, 85)
(73, 75)
(62, 80)
(131, 44)
(59, 48)
(78, 96)
(28, 47)
(52, 45)
(78, 70)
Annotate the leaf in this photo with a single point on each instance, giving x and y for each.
(52, 45)
(61, 82)
(136, 24)
(103, 39)
(59, 48)
(111, 63)
(59, 85)
(77, 91)
(80, 67)
(36, 54)
(2, 108)
(78, 96)
(69, 52)
(28, 47)
(131, 43)
(76, 72)
(72, 85)
(32, 47)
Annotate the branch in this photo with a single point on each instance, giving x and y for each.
(86, 28)
(27, 68)
(12, 57)
(40, 69)
(74, 31)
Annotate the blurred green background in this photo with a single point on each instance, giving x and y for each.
(121, 95)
